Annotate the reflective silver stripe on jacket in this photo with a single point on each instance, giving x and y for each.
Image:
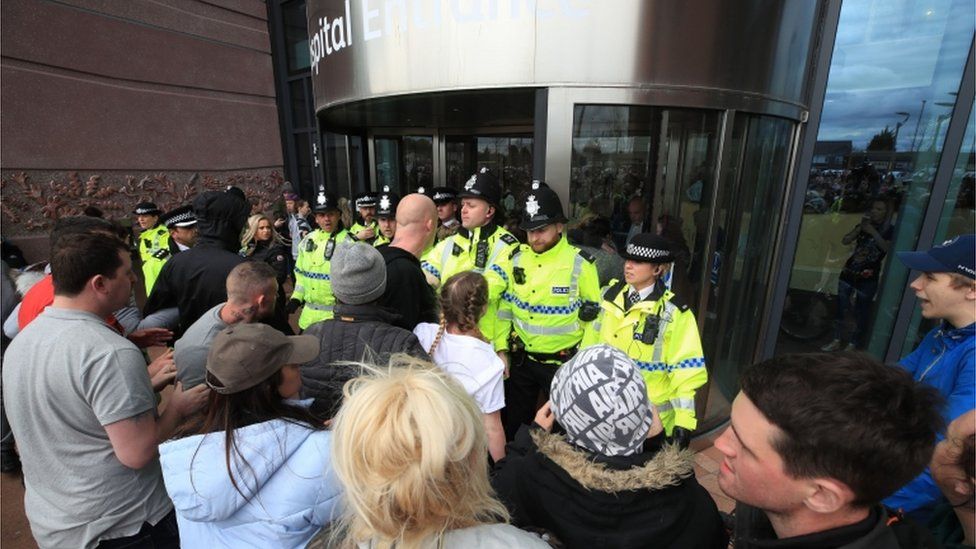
(317, 307)
(669, 309)
(546, 330)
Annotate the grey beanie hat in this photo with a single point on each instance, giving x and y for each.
(600, 398)
(358, 273)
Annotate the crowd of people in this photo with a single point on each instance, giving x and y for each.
(453, 385)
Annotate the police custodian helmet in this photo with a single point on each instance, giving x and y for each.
(541, 207)
(324, 201)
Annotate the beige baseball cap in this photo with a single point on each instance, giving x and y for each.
(244, 355)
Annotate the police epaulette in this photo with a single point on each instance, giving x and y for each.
(515, 251)
(586, 255)
(680, 303)
(509, 239)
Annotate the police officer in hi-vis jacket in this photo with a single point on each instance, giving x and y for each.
(646, 320)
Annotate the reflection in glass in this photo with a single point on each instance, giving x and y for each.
(296, 36)
(892, 84)
(631, 164)
(751, 197)
(508, 156)
(958, 217)
(404, 162)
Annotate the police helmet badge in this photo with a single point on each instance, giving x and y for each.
(470, 182)
(385, 203)
(531, 206)
(320, 199)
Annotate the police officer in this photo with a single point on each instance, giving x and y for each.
(646, 320)
(445, 198)
(153, 242)
(313, 285)
(365, 229)
(182, 226)
(386, 207)
(553, 292)
(482, 246)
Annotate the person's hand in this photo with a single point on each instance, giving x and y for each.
(366, 234)
(164, 376)
(189, 401)
(947, 462)
(278, 223)
(681, 437)
(292, 306)
(160, 362)
(503, 356)
(544, 417)
(151, 337)
(162, 371)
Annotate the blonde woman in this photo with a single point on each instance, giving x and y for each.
(261, 242)
(411, 453)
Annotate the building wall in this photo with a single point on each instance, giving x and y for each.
(108, 103)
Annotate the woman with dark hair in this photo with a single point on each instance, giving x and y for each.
(255, 470)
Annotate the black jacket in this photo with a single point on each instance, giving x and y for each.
(407, 291)
(648, 500)
(360, 333)
(276, 255)
(194, 280)
(879, 531)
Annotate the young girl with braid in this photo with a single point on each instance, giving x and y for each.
(458, 347)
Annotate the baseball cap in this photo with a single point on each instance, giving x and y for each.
(244, 355)
(957, 255)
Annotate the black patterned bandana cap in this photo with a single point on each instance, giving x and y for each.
(600, 398)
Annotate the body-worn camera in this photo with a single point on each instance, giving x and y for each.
(589, 311)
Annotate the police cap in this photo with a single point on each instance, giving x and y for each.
(324, 201)
(649, 248)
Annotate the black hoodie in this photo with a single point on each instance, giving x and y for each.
(195, 280)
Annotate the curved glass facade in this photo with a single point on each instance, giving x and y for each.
(708, 145)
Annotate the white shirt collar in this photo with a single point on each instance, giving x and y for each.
(643, 293)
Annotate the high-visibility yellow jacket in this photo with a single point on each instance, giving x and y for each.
(356, 227)
(486, 250)
(669, 356)
(380, 240)
(154, 251)
(545, 294)
(313, 283)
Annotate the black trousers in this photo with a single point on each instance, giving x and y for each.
(527, 378)
(165, 534)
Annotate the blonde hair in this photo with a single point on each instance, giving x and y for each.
(252, 230)
(411, 451)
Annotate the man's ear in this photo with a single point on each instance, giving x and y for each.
(491, 212)
(828, 495)
(971, 294)
(97, 283)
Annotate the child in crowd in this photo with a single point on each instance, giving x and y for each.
(411, 481)
(255, 471)
(458, 347)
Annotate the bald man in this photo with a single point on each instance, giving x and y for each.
(407, 290)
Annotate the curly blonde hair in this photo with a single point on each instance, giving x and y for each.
(410, 449)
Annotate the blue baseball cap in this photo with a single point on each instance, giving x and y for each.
(953, 256)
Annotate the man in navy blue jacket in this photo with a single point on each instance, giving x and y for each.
(946, 358)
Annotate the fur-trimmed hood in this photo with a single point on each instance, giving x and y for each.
(668, 467)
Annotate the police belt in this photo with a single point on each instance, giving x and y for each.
(561, 356)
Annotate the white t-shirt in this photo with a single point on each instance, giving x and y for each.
(470, 361)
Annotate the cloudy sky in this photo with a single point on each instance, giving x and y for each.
(890, 55)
